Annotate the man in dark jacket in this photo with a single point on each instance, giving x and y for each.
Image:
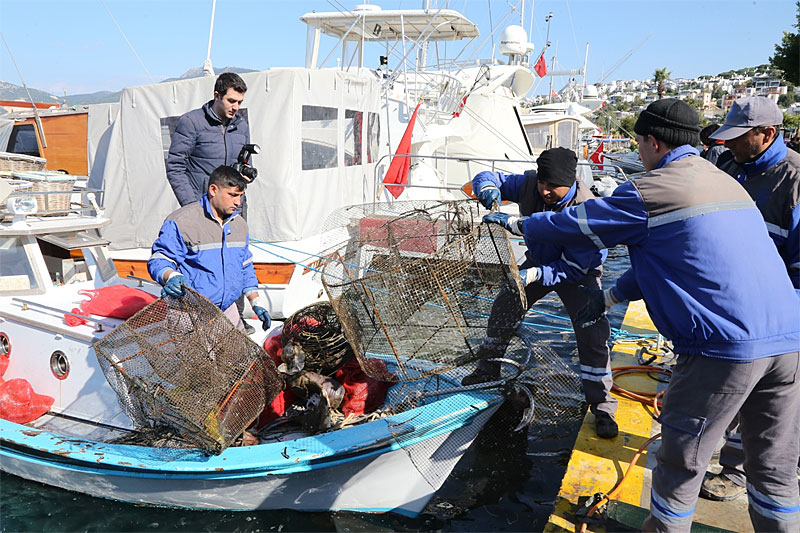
(714, 285)
(770, 173)
(207, 138)
(550, 267)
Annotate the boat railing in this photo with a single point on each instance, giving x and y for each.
(441, 91)
(490, 162)
(28, 305)
(82, 201)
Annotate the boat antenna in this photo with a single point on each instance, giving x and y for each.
(152, 80)
(35, 111)
(208, 69)
(547, 19)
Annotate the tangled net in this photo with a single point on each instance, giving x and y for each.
(413, 283)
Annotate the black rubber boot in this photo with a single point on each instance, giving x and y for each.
(605, 426)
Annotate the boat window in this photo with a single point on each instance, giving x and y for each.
(567, 135)
(373, 137)
(353, 133)
(319, 133)
(170, 124)
(16, 271)
(23, 140)
(539, 136)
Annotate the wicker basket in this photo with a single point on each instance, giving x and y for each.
(10, 162)
(47, 182)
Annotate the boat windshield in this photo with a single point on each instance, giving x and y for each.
(16, 271)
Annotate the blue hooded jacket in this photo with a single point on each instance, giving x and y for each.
(559, 264)
(700, 254)
(214, 258)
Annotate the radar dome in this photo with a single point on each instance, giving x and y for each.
(514, 41)
(590, 91)
(366, 7)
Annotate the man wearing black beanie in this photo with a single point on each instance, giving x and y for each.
(714, 285)
(550, 267)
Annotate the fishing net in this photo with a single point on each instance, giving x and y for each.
(317, 330)
(181, 365)
(413, 283)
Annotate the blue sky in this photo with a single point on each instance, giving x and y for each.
(74, 45)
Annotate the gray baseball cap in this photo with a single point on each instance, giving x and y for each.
(747, 113)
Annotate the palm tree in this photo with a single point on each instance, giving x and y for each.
(660, 76)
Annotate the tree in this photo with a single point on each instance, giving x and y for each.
(785, 100)
(659, 77)
(791, 122)
(787, 53)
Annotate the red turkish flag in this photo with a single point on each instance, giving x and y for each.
(398, 169)
(541, 67)
(597, 156)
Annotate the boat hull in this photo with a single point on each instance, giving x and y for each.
(376, 468)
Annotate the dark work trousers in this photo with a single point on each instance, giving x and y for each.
(702, 399)
(592, 341)
(731, 456)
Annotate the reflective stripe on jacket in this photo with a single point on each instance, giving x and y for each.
(214, 258)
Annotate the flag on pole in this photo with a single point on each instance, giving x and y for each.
(597, 156)
(398, 169)
(541, 66)
(553, 93)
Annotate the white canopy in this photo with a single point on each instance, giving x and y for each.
(379, 25)
(294, 115)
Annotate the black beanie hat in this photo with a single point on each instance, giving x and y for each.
(558, 166)
(670, 120)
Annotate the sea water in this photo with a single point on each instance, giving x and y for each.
(505, 482)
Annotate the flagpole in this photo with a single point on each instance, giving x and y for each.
(546, 46)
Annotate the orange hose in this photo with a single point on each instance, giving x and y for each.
(646, 398)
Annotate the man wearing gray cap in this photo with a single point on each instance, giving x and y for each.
(770, 173)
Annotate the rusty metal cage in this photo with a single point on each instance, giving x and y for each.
(181, 365)
(413, 282)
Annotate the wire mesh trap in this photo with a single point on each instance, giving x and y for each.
(413, 283)
(181, 365)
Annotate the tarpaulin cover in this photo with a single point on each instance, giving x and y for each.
(114, 301)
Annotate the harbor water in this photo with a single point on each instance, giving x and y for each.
(505, 482)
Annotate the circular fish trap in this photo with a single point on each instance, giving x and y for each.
(413, 283)
(317, 330)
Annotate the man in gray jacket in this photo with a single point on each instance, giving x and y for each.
(207, 138)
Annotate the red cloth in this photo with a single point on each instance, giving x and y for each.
(363, 394)
(18, 402)
(115, 301)
(597, 156)
(541, 66)
(398, 169)
(285, 398)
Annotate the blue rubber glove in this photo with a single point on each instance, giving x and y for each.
(598, 302)
(512, 224)
(529, 275)
(263, 316)
(488, 196)
(174, 286)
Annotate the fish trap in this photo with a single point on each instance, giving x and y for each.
(413, 283)
(180, 365)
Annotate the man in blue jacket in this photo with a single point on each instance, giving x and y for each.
(206, 138)
(714, 285)
(550, 267)
(770, 173)
(204, 245)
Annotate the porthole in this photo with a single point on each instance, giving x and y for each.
(59, 364)
(5, 345)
